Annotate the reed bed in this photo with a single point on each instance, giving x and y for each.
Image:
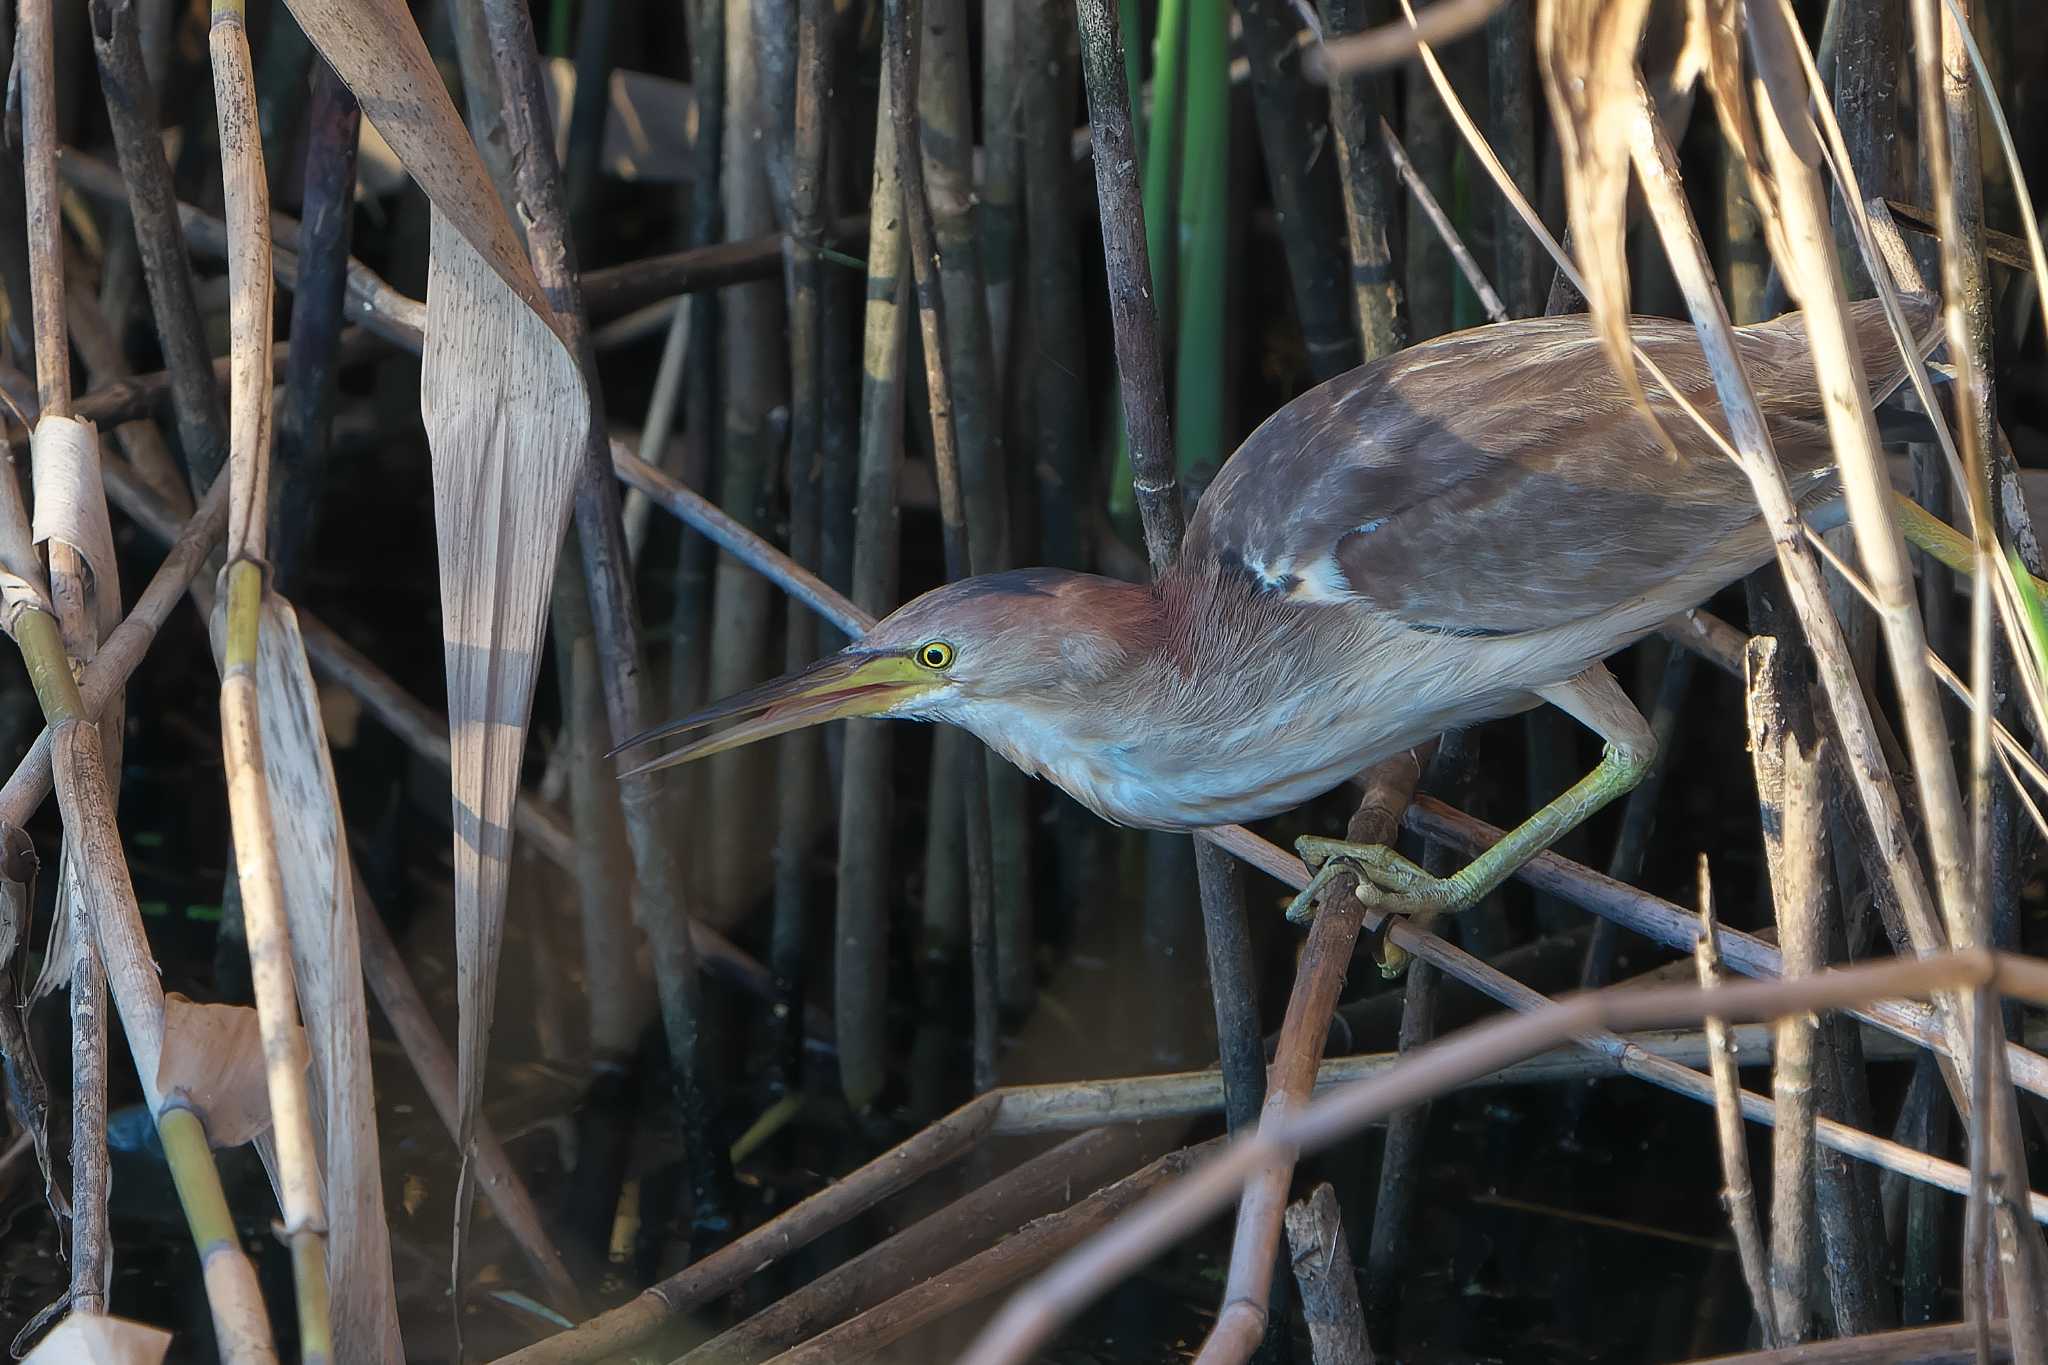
(616, 358)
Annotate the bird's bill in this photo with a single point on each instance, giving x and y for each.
(845, 684)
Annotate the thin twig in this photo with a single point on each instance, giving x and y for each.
(1496, 311)
(1737, 1194)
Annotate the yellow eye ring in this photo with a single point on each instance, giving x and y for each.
(936, 655)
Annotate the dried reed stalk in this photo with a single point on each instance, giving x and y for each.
(1368, 207)
(71, 517)
(753, 384)
(1805, 244)
(80, 771)
(801, 754)
(932, 1246)
(1329, 1288)
(1031, 1316)
(1303, 183)
(989, 1271)
(305, 421)
(145, 187)
(1737, 1194)
(902, 28)
(1795, 852)
(860, 952)
(257, 868)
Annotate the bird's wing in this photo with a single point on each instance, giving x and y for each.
(1499, 481)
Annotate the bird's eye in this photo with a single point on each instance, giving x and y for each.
(935, 654)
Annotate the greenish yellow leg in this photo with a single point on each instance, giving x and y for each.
(1391, 883)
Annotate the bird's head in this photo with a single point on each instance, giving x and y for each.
(1014, 637)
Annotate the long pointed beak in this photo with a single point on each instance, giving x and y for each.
(845, 684)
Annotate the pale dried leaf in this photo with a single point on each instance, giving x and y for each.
(212, 1061)
(507, 419)
(1586, 51)
(320, 905)
(93, 1339)
(71, 504)
(376, 49)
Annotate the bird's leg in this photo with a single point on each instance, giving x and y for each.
(1390, 882)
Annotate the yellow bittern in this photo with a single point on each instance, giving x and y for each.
(1457, 532)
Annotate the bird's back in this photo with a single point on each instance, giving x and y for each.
(1499, 481)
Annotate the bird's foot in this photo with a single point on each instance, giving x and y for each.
(1386, 882)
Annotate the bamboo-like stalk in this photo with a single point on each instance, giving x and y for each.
(903, 31)
(1400, 1165)
(696, 560)
(1132, 316)
(1965, 290)
(537, 183)
(861, 959)
(231, 1287)
(1304, 185)
(1368, 202)
(159, 237)
(247, 200)
(600, 869)
(1738, 1195)
(1201, 378)
(946, 138)
(73, 591)
(304, 427)
(1512, 128)
(800, 758)
(1002, 181)
(80, 772)
(753, 384)
(1793, 848)
(1426, 274)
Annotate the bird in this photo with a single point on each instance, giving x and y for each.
(1456, 532)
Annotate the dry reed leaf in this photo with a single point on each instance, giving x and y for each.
(320, 905)
(71, 507)
(93, 1339)
(376, 49)
(1586, 51)
(507, 419)
(212, 1062)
